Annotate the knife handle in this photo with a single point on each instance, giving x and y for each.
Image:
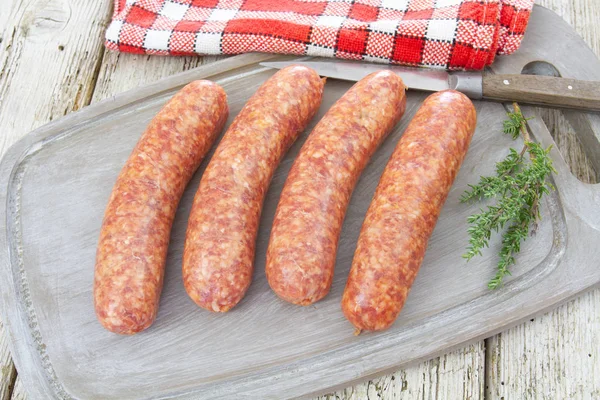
(543, 90)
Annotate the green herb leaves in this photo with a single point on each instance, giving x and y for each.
(514, 124)
(519, 185)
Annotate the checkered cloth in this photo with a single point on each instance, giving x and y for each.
(450, 34)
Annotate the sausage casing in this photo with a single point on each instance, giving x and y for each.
(405, 209)
(218, 259)
(134, 237)
(308, 221)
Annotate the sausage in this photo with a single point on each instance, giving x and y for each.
(405, 209)
(134, 237)
(308, 221)
(218, 258)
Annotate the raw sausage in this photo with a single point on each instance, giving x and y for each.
(134, 238)
(218, 258)
(132, 250)
(309, 217)
(405, 209)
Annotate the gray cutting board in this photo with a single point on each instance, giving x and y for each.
(55, 184)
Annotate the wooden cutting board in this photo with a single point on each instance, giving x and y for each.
(55, 184)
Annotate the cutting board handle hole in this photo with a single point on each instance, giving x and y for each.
(540, 68)
(580, 141)
(578, 145)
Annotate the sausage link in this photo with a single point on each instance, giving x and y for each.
(218, 258)
(405, 209)
(309, 217)
(134, 237)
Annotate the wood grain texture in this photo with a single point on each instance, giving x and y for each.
(557, 354)
(569, 145)
(7, 370)
(49, 54)
(19, 392)
(580, 14)
(458, 374)
(543, 90)
(119, 75)
(554, 356)
(120, 72)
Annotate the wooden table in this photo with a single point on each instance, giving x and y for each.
(52, 62)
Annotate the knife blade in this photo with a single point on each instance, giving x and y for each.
(531, 89)
(432, 80)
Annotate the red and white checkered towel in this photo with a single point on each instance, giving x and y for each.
(450, 34)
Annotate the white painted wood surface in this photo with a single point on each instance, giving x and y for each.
(456, 375)
(46, 82)
(554, 356)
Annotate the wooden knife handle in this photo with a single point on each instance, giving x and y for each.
(543, 90)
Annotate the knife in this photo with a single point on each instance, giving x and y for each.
(532, 89)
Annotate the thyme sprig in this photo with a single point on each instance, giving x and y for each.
(515, 124)
(520, 183)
